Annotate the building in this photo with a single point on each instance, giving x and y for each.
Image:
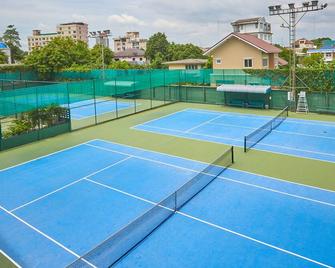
(132, 40)
(243, 51)
(302, 45)
(75, 30)
(6, 50)
(327, 50)
(255, 26)
(133, 56)
(187, 64)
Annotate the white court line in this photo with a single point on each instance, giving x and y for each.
(222, 143)
(242, 171)
(10, 259)
(98, 114)
(221, 177)
(217, 226)
(254, 240)
(158, 118)
(202, 124)
(43, 156)
(291, 120)
(70, 184)
(275, 130)
(45, 235)
(238, 140)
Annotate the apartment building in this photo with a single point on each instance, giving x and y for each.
(131, 40)
(75, 30)
(254, 26)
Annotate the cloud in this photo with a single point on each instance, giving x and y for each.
(126, 19)
(78, 17)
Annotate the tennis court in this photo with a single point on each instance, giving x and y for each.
(90, 108)
(297, 137)
(70, 201)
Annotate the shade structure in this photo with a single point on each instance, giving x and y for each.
(245, 89)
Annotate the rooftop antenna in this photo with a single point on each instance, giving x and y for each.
(292, 10)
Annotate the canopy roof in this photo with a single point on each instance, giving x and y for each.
(245, 89)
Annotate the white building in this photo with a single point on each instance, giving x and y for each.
(132, 40)
(75, 30)
(255, 26)
(133, 56)
(328, 53)
(6, 50)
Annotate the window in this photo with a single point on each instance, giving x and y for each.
(328, 55)
(218, 61)
(74, 31)
(247, 63)
(265, 62)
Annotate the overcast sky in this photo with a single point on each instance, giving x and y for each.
(202, 22)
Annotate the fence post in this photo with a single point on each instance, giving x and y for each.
(0, 135)
(95, 103)
(69, 106)
(116, 108)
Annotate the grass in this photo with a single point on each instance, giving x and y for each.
(306, 171)
(5, 263)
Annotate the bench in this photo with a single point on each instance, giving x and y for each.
(237, 103)
(256, 104)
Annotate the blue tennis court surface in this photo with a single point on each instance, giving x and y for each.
(57, 208)
(302, 138)
(85, 109)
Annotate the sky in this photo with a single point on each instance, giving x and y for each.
(201, 22)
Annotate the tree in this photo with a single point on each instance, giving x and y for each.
(157, 63)
(96, 56)
(59, 54)
(12, 38)
(184, 51)
(157, 43)
(3, 58)
(314, 61)
(319, 41)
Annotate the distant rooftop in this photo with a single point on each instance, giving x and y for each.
(133, 52)
(71, 23)
(187, 61)
(249, 39)
(3, 45)
(243, 21)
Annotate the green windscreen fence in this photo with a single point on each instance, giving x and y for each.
(25, 105)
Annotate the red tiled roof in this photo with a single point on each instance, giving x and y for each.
(251, 40)
(263, 45)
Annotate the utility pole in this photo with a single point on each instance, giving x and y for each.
(101, 37)
(291, 24)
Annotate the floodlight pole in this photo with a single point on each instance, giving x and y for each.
(291, 24)
(101, 36)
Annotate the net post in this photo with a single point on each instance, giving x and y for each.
(245, 144)
(232, 155)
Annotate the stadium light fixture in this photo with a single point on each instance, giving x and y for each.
(100, 37)
(292, 10)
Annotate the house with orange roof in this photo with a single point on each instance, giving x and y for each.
(244, 51)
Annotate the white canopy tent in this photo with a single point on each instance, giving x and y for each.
(245, 89)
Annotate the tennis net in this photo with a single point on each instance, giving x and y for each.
(123, 241)
(260, 133)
